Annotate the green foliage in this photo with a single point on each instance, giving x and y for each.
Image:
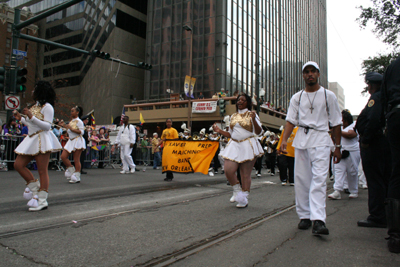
(378, 63)
(385, 16)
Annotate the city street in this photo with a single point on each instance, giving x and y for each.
(138, 219)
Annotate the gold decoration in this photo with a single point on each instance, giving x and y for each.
(35, 110)
(73, 124)
(244, 120)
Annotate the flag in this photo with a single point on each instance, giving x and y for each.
(112, 120)
(92, 119)
(187, 85)
(122, 115)
(141, 119)
(98, 148)
(192, 83)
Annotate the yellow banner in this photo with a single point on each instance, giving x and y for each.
(188, 156)
(187, 85)
(192, 83)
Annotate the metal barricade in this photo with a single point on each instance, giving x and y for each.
(8, 143)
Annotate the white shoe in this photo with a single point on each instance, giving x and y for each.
(242, 199)
(210, 173)
(123, 172)
(75, 178)
(42, 201)
(133, 170)
(272, 174)
(284, 183)
(69, 171)
(364, 186)
(236, 188)
(291, 184)
(335, 195)
(31, 189)
(353, 196)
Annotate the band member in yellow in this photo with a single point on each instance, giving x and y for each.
(286, 159)
(168, 134)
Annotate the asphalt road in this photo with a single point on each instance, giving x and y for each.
(111, 219)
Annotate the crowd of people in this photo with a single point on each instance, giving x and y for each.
(318, 141)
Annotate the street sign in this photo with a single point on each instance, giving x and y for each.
(19, 57)
(20, 53)
(12, 102)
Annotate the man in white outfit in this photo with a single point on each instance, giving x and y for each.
(126, 138)
(314, 110)
(346, 171)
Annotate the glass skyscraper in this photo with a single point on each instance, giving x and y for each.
(225, 40)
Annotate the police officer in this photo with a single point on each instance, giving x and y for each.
(375, 153)
(391, 106)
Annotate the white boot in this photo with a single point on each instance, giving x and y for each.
(69, 172)
(31, 189)
(42, 201)
(242, 199)
(75, 178)
(236, 188)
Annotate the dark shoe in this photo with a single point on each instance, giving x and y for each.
(82, 172)
(346, 191)
(319, 228)
(228, 183)
(168, 179)
(304, 224)
(369, 223)
(222, 172)
(392, 207)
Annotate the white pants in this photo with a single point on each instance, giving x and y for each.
(362, 179)
(347, 167)
(311, 172)
(126, 157)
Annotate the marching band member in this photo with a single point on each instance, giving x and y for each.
(75, 145)
(243, 149)
(126, 138)
(313, 109)
(38, 145)
(167, 134)
(202, 135)
(214, 137)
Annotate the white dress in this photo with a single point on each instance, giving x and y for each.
(40, 139)
(243, 145)
(75, 141)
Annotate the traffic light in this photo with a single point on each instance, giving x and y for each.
(3, 73)
(21, 79)
(221, 104)
(101, 54)
(145, 66)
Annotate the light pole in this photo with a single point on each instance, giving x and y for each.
(189, 29)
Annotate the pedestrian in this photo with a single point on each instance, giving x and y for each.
(271, 144)
(286, 160)
(375, 153)
(104, 139)
(38, 145)
(347, 168)
(144, 143)
(391, 106)
(126, 139)
(214, 137)
(168, 134)
(243, 149)
(94, 140)
(75, 145)
(156, 151)
(11, 131)
(134, 151)
(314, 110)
(201, 96)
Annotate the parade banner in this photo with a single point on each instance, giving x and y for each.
(204, 107)
(187, 85)
(111, 127)
(188, 156)
(192, 83)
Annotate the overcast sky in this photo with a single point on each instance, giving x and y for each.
(348, 45)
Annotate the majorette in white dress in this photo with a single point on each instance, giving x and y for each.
(75, 141)
(243, 145)
(40, 138)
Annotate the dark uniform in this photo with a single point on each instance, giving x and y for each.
(83, 154)
(375, 155)
(391, 104)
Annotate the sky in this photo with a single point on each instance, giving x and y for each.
(348, 46)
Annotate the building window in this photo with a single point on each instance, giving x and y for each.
(7, 59)
(9, 27)
(8, 43)
(26, 47)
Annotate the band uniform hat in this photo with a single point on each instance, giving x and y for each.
(311, 63)
(85, 117)
(373, 77)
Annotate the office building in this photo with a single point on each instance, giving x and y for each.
(339, 92)
(229, 38)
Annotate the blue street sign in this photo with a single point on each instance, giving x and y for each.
(20, 53)
(18, 58)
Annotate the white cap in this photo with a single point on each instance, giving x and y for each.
(310, 63)
(155, 134)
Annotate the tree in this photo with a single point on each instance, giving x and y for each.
(385, 15)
